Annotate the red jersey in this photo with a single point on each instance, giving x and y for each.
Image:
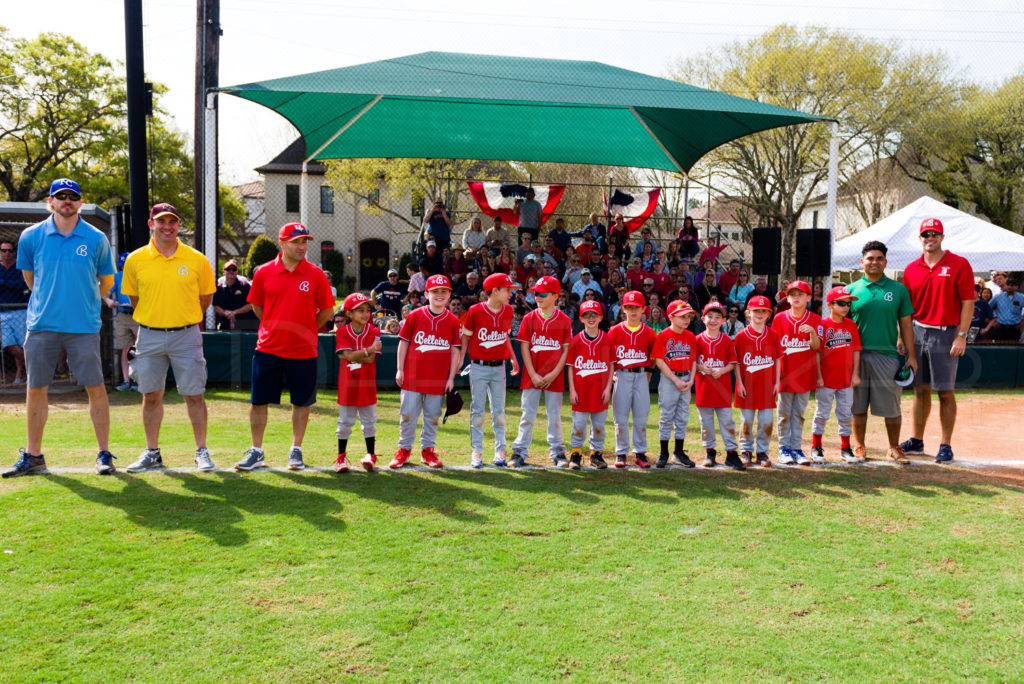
(488, 332)
(290, 301)
(585, 252)
(799, 361)
(547, 337)
(757, 356)
(837, 346)
(590, 362)
(431, 338)
(635, 279)
(715, 353)
(357, 382)
(938, 292)
(632, 349)
(677, 349)
(663, 284)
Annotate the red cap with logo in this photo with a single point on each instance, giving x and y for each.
(759, 302)
(714, 306)
(293, 231)
(591, 306)
(163, 209)
(799, 285)
(355, 299)
(679, 308)
(837, 293)
(634, 298)
(548, 285)
(496, 280)
(932, 224)
(437, 282)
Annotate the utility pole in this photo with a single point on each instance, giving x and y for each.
(138, 189)
(208, 34)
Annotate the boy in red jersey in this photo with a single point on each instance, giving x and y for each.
(633, 343)
(674, 351)
(543, 338)
(590, 385)
(758, 373)
(357, 346)
(428, 356)
(799, 333)
(716, 358)
(485, 337)
(837, 374)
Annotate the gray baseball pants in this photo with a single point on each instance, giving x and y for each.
(792, 406)
(347, 418)
(765, 425)
(530, 404)
(486, 382)
(412, 403)
(844, 409)
(631, 393)
(726, 426)
(675, 409)
(597, 421)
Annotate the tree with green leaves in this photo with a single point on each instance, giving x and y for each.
(874, 90)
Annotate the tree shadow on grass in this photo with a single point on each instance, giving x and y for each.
(151, 507)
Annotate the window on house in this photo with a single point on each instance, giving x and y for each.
(326, 199)
(291, 199)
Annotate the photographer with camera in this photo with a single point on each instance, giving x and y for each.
(439, 226)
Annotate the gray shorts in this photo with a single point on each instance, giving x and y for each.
(43, 347)
(877, 389)
(126, 330)
(182, 350)
(935, 366)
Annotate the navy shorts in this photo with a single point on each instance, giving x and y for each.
(271, 372)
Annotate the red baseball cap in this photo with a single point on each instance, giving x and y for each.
(355, 299)
(163, 209)
(548, 285)
(714, 306)
(633, 298)
(759, 302)
(838, 292)
(931, 224)
(496, 280)
(679, 308)
(293, 231)
(799, 285)
(591, 306)
(436, 282)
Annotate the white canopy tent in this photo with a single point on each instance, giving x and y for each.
(986, 246)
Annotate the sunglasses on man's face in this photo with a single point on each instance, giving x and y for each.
(5, 250)
(231, 268)
(930, 234)
(66, 196)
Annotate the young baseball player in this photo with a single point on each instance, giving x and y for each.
(544, 337)
(357, 346)
(428, 356)
(758, 370)
(837, 374)
(674, 350)
(590, 385)
(716, 358)
(633, 343)
(485, 337)
(799, 333)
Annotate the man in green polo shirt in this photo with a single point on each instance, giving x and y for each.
(881, 309)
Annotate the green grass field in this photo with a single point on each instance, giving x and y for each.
(856, 573)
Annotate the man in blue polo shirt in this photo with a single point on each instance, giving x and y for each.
(13, 300)
(66, 263)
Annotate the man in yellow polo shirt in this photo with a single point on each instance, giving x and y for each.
(171, 286)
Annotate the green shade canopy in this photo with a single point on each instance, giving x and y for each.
(462, 106)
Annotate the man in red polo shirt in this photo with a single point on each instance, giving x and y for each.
(941, 286)
(292, 299)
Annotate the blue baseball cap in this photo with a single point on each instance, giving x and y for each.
(64, 184)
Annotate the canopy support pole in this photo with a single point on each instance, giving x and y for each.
(210, 192)
(830, 206)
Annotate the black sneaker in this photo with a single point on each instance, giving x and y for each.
(620, 461)
(517, 461)
(709, 459)
(945, 454)
(732, 460)
(913, 446)
(575, 459)
(597, 460)
(763, 460)
(105, 463)
(684, 460)
(560, 460)
(641, 460)
(662, 461)
(27, 465)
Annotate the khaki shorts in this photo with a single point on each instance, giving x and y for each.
(877, 389)
(181, 350)
(126, 330)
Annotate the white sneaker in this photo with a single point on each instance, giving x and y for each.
(149, 459)
(800, 458)
(477, 460)
(817, 454)
(785, 456)
(203, 460)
